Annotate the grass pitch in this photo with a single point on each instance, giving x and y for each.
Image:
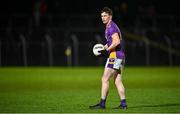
(72, 90)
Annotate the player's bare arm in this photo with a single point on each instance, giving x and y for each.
(115, 42)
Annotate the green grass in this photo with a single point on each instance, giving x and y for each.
(72, 90)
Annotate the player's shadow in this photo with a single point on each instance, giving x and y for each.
(160, 105)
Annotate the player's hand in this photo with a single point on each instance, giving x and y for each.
(104, 53)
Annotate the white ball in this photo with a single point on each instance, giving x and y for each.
(96, 48)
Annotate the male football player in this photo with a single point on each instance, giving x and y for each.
(115, 61)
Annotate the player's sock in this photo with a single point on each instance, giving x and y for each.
(123, 103)
(102, 102)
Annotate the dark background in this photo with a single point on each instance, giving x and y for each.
(60, 19)
(88, 6)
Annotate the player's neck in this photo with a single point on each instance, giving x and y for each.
(107, 25)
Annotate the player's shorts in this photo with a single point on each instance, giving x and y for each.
(116, 60)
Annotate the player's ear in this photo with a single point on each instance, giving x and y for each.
(110, 17)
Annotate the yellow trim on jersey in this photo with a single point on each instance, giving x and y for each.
(112, 55)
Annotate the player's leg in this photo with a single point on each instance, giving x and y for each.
(119, 85)
(118, 66)
(120, 88)
(104, 88)
(105, 82)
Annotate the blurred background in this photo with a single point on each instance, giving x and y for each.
(63, 32)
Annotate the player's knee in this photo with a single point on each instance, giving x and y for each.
(104, 80)
(117, 82)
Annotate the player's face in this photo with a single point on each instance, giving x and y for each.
(105, 17)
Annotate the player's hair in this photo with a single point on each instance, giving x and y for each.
(107, 10)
